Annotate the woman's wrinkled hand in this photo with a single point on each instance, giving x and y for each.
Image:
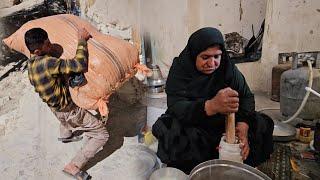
(242, 134)
(226, 101)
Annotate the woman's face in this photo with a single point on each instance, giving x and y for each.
(209, 60)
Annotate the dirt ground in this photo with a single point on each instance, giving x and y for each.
(28, 144)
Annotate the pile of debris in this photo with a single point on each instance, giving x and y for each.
(11, 90)
(12, 18)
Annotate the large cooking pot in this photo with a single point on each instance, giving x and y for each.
(223, 169)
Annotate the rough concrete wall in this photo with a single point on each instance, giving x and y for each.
(236, 16)
(166, 21)
(123, 12)
(170, 23)
(233, 16)
(291, 25)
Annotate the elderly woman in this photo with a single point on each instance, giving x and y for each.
(203, 86)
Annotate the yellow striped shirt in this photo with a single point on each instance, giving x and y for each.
(47, 73)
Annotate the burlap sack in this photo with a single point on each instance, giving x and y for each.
(112, 61)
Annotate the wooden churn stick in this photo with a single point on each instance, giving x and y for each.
(230, 129)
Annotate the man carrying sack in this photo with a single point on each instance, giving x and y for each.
(47, 74)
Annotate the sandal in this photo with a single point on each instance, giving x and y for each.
(80, 175)
(73, 138)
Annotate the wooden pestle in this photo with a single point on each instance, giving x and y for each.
(231, 129)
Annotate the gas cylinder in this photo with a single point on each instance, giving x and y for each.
(292, 90)
(284, 64)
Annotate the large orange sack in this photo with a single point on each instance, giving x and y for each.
(112, 61)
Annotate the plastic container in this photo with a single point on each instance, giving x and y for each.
(231, 152)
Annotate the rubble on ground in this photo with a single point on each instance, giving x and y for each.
(11, 91)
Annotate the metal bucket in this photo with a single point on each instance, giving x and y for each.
(222, 169)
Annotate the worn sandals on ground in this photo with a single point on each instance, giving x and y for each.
(81, 175)
(70, 139)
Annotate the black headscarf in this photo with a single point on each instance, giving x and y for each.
(187, 136)
(187, 88)
(184, 79)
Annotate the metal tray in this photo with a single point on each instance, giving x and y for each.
(222, 169)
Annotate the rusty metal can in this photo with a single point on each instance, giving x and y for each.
(305, 134)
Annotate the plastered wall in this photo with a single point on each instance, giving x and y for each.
(291, 25)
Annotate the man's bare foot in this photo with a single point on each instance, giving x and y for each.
(71, 169)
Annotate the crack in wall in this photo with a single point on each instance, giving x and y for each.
(240, 10)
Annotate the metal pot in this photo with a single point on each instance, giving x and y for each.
(168, 173)
(156, 79)
(156, 89)
(222, 169)
(283, 132)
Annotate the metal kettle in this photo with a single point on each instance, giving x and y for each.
(156, 79)
(156, 82)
